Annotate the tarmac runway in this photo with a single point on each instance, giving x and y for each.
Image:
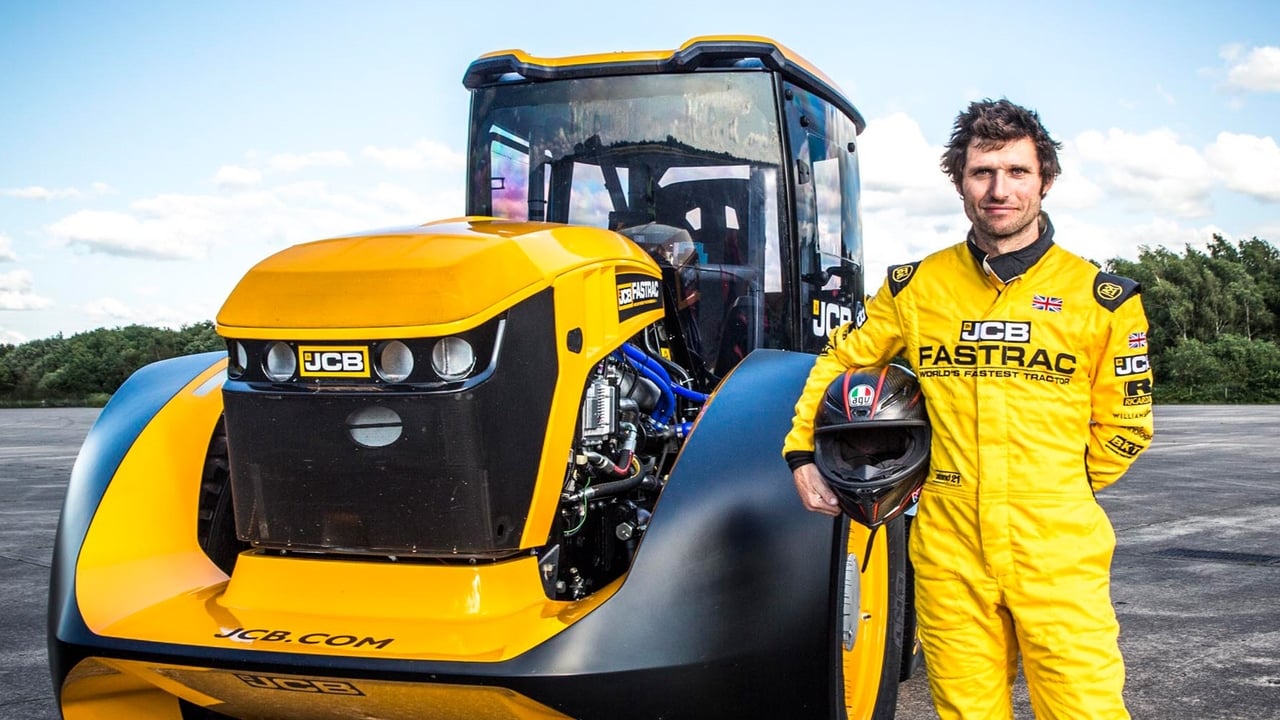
(1196, 570)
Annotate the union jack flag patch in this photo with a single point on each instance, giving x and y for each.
(1137, 340)
(1043, 302)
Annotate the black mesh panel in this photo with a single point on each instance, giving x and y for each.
(400, 472)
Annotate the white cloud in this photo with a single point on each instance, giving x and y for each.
(116, 233)
(1073, 190)
(1104, 242)
(6, 249)
(895, 235)
(900, 169)
(251, 220)
(16, 292)
(422, 155)
(234, 177)
(35, 192)
(12, 337)
(110, 311)
(1248, 164)
(1153, 169)
(290, 162)
(1257, 71)
(107, 308)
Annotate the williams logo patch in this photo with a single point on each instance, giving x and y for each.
(333, 361)
(638, 294)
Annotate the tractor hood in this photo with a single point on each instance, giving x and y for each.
(460, 271)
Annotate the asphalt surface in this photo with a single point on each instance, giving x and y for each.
(1196, 571)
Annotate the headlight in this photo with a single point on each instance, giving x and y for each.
(452, 358)
(237, 359)
(281, 362)
(395, 362)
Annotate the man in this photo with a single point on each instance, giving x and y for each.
(1033, 364)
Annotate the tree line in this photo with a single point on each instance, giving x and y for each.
(1213, 313)
(1214, 334)
(86, 368)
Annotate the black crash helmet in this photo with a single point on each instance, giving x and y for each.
(871, 442)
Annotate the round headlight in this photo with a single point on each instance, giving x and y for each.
(395, 361)
(452, 358)
(237, 359)
(281, 362)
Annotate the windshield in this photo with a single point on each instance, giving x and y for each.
(687, 165)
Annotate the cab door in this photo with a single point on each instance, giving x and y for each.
(822, 144)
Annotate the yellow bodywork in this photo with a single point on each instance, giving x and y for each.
(111, 689)
(142, 574)
(654, 56)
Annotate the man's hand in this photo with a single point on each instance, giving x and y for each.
(814, 491)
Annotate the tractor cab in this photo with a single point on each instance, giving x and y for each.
(731, 162)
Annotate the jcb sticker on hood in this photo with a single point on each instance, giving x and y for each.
(311, 638)
(333, 361)
(637, 294)
(298, 684)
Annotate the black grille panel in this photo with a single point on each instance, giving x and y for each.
(402, 472)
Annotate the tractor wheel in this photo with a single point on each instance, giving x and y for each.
(216, 525)
(870, 611)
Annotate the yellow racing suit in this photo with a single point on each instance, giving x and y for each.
(1034, 368)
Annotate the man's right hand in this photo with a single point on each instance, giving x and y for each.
(814, 492)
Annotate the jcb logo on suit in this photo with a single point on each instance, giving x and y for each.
(1131, 365)
(991, 330)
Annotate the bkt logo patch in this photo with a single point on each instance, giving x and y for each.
(1124, 446)
(330, 361)
(989, 330)
(1131, 365)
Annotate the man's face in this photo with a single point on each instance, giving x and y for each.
(1002, 188)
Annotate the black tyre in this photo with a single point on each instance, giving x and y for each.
(216, 525)
(870, 608)
(912, 654)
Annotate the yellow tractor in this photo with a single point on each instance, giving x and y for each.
(520, 464)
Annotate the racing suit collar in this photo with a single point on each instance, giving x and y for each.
(1011, 266)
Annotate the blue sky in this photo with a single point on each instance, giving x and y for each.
(151, 152)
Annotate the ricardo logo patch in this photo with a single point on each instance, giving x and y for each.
(333, 361)
(638, 294)
(1109, 290)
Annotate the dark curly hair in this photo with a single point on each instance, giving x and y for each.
(993, 123)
